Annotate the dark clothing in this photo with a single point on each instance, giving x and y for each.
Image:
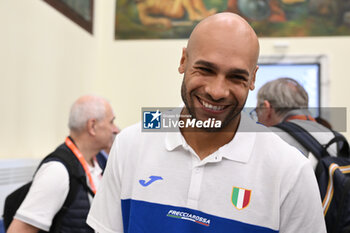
(71, 218)
(102, 159)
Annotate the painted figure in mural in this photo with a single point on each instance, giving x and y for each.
(340, 9)
(272, 10)
(323, 7)
(257, 10)
(161, 12)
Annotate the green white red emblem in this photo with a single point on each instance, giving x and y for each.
(241, 197)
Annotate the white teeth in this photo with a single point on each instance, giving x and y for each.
(215, 108)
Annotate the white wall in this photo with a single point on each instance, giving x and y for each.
(47, 62)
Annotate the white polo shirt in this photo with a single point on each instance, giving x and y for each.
(155, 183)
(48, 193)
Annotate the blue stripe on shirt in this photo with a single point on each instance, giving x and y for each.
(146, 217)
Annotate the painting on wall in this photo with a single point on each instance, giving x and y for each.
(171, 19)
(79, 11)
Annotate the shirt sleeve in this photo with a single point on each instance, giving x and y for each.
(105, 215)
(46, 196)
(301, 210)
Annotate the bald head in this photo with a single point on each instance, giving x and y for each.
(85, 108)
(228, 29)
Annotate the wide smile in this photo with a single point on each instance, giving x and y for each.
(214, 108)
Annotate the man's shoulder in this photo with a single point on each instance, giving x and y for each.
(270, 138)
(268, 143)
(136, 133)
(311, 126)
(64, 157)
(265, 136)
(135, 128)
(52, 167)
(280, 150)
(318, 131)
(62, 153)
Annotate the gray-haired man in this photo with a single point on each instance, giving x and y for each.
(91, 130)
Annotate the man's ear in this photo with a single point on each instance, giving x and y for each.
(183, 61)
(91, 126)
(267, 105)
(273, 117)
(267, 114)
(252, 82)
(270, 111)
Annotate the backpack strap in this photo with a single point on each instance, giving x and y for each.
(343, 148)
(304, 138)
(76, 177)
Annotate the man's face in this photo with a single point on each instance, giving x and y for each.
(106, 130)
(217, 79)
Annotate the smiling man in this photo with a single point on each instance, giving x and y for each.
(218, 74)
(239, 177)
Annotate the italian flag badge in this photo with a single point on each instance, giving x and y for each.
(240, 197)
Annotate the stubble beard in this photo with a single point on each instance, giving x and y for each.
(235, 112)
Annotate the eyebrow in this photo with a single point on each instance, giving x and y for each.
(206, 63)
(213, 66)
(239, 71)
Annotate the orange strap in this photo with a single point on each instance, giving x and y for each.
(82, 161)
(300, 117)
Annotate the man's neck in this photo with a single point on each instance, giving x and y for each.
(205, 143)
(85, 149)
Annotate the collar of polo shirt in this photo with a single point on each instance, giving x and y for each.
(239, 149)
